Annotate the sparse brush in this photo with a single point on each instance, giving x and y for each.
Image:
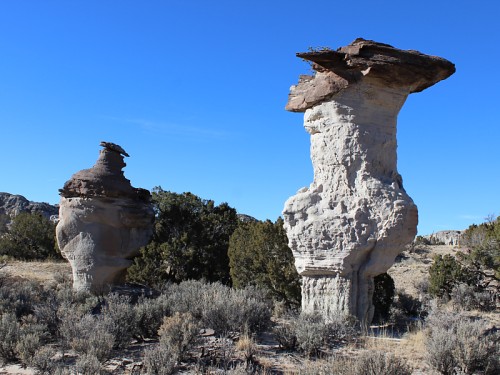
(456, 343)
(179, 333)
(380, 363)
(312, 333)
(285, 334)
(88, 335)
(159, 360)
(149, 314)
(10, 331)
(119, 319)
(366, 363)
(246, 345)
(220, 307)
(88, 364)
(468, 298)
(43, 361)
(62, 277)
(27, 346)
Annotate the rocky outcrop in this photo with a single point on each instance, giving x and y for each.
(103, 221)
(446, 237)
(355, 217)
(12, 205)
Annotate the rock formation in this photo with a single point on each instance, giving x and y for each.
(446, 237)
(355, 217)
(12, 205)
(103, 221)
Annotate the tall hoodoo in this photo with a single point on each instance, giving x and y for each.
(103, 221)
(355, 217)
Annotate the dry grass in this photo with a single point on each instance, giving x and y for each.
(42, 272)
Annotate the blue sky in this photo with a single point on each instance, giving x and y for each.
(195, 92)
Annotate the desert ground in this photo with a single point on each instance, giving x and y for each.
(411, 267)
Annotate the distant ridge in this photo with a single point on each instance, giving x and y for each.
(13, 204)
(447, 237)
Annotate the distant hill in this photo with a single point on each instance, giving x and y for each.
(12, 205)
(444, 237)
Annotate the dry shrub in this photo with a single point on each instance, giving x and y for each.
(246, 345)
(119, 319)
(219, 307)
(149, 314)
(88, 364)
(285, 335)
(88, 335)
(455, 343)
(309, 332)
(43, 361)
(380, 363)
(178, 333)
(10, 331)
(366, 363)
(468, 298)
(312, 333)
(159, 360)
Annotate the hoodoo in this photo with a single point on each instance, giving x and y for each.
(103, 221)
(349, 225)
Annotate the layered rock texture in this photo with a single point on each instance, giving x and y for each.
(103, 221)
(355, 217)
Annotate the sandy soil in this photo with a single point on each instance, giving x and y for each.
(412, 266)
(37, 271)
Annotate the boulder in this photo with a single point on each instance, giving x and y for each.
(349, 225)
(103, 221)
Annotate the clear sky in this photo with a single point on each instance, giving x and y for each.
(195, 92)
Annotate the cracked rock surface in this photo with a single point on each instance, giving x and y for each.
(103, 221)
(349, 225)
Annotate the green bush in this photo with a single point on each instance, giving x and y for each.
(259, 255)
(190, 241)
(30, 237)
(483, 258)
(383, 297)
(444, 273)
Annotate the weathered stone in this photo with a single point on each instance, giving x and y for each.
(355, 217)
(103, 221)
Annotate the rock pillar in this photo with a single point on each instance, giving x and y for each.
(356, 216)
(103, 221)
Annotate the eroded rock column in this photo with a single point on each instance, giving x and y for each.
(355, 217)
(103, 221)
